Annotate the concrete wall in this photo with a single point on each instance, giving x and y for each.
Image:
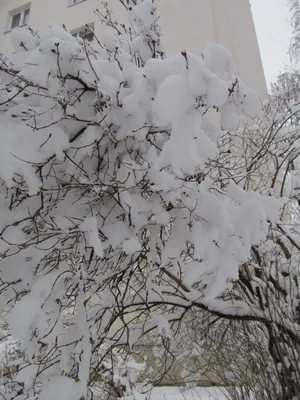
(227, 22)
(186, 24)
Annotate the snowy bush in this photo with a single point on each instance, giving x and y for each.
(119, 211)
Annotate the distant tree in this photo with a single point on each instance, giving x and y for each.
(295, 42)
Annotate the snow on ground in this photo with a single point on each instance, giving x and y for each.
(176, 393)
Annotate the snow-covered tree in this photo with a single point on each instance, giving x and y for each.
(295, 42)
(125, 201)
(269, 156)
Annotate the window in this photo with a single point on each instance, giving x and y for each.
(26, 16)
(86, 32)
(19, 17)
(16, 20)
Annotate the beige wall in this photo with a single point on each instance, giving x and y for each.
(186, 24)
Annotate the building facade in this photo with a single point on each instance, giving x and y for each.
(186, 24)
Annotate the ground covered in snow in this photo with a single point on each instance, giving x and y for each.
(175, 393)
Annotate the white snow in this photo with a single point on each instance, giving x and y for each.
(89, 225)
(176, 393)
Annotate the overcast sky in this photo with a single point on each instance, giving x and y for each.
(271, 18)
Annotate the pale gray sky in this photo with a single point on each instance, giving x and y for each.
(271, 18)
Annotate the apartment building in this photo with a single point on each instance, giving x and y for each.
(186, 24)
